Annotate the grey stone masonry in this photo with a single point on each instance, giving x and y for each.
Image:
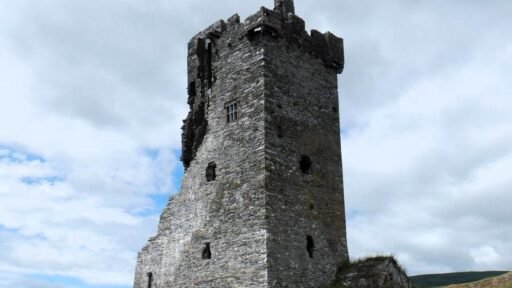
(381, 272)
(261, 202)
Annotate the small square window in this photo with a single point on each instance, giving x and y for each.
(232, 112)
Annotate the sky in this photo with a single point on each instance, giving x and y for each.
(93, 94)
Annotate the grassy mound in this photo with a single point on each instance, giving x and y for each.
(503, 281)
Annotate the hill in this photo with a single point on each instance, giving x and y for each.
(438, 280)
(503, 281)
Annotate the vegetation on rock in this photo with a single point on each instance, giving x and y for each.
(381, 271)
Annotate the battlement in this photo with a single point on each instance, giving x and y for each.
(278, 25)
(280, 22)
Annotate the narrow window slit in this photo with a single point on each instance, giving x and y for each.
(191, 89)
(150, 279)
(207, 253)
(280, 131)
(310, 246)
(305, 164)
(210, 172)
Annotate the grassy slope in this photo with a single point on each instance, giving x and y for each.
(503, 281)
(436, 280)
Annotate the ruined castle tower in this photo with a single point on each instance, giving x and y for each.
(261, 203)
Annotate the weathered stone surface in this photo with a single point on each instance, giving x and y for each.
(252, 211)
(378, 272)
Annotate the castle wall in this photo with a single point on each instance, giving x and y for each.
(302, 123)
(228, 212)
(247, 215)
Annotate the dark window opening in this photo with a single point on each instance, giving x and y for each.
(150, 279)
(210, 171)
(191, 89)
(232, 112)
(207, 253)
(252, 33)
(305, 164)
(280, 132)
(310, 246)
(311, 206)
(261, 30)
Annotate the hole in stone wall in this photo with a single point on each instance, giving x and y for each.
(210, 171)
(252, 33)
(279, 131)
(207, 253)
(311, 207)
(191, 89)
(305, 164)
(150, 279)
(334, 109)
(310, 246)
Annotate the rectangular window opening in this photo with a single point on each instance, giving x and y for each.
(232, 112)
(207, 253)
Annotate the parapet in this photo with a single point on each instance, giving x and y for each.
(280, 22)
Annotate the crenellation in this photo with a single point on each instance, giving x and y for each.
(285, 7)
(326, 46)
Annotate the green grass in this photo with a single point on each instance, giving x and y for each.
(436, 280)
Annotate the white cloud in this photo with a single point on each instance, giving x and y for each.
(88, 134)
(435, 161)
(71, 228)
(485, 255)
(92, 95)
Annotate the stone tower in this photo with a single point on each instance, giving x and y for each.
(261, 203)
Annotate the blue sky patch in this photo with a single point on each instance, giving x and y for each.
(17, 155)
(69, 282)
(42, 180)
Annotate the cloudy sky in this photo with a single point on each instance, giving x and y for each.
(92, 94)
